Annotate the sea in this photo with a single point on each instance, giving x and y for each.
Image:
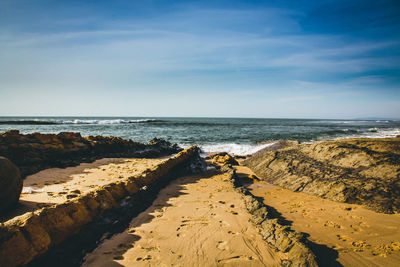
(239, 136)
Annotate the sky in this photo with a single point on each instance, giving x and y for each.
(269, 59)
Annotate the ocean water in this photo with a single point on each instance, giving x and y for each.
(240, 136)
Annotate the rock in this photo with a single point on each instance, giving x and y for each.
(288, 242)
(277, 145)
(36, 151)
(361, 170)
(222, 159)
(26, 237)
(10, 184)
(163, 146)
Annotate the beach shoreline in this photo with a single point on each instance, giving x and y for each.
(348, 232)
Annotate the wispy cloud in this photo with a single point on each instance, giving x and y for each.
(299, 98)
(193, 47)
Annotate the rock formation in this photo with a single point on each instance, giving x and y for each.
(10, 184)
(223, 158)
(360, 170)
(35, 152)
(28, 236)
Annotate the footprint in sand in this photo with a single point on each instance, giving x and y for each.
(235, 260)
(343, 238)
(384, 250)
(347, 208)
(180, 227)
(360, 246)
(332, 224)
(222, 245)
(356, 217)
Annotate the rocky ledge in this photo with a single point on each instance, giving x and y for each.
(292, 244)
(34, 152)
(31, 235)
(359, 171)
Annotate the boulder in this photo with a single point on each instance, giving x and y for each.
(161, 146)
(223, 159)
(10, 184)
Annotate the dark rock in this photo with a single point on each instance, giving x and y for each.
(10, 184)
(163, 147)
(360, 170)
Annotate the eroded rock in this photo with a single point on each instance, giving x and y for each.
(35, 152)
(292, 244)
(223, 158)
(28, 236)
(360, 170)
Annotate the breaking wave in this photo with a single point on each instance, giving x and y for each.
(76, 121)
(234, 148)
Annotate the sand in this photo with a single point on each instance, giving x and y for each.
(350, 234)
(57, 185)
(195, 221)
(201, 221)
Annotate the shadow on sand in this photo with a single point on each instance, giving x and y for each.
(72, 251)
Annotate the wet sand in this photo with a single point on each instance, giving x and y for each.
(195, 221)
(358, 236)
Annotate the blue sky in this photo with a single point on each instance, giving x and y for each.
(302, 59)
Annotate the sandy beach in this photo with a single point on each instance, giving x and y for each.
(195, 221)
(356, 235)
(191, 220)
(201, 220)
(200, 133)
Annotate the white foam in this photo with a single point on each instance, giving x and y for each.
(375, 133)
(382, 133)
(102, 122)
(235, 149)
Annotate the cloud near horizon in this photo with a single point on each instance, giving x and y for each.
(240, 59)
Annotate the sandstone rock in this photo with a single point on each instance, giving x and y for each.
(28, 236)
(10, 184)
(36, 151)
(360, 170)
(222, 159)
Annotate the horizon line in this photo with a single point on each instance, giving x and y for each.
(199, 117)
